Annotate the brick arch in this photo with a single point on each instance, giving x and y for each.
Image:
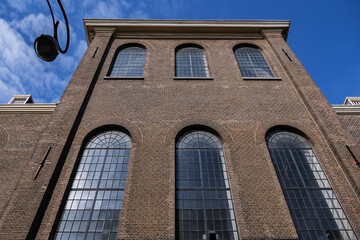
(139, 42)
(189, 44)
(301, 129)
(248, 44)
(112, 123)
(192, 43)
(120, 44)
(179, 127)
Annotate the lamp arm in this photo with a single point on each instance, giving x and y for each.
(52, 15)
(57, 24)
(67, 29)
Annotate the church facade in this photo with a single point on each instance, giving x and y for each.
(182, 129)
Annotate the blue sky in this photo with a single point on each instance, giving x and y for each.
(324, 34)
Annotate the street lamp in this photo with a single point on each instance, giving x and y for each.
(47, 47)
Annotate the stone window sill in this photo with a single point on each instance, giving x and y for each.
(262, 78)
(123, 78)
(193, 78)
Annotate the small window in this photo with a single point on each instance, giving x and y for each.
(129, 62)
(355, 101)
(191, 62)
(252, 62)
(21, 99)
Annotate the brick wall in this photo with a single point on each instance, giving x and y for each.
(352, 124)
(19, 134)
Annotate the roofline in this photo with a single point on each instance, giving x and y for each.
(140, 25)
(346, 109)
(28, 108)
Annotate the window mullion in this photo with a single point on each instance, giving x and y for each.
(251, 63)
(190, 66)
(96, 194)
(203, 191)
(128, 64)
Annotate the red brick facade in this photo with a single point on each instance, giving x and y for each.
(154, 110)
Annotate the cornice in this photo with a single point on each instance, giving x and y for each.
(193, 28)
(27, 108)
(346, 109)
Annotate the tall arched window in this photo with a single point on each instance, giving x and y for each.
(204, 205)
(93, 207)
(314, 207)
(252, 62)
(191, 62)
(129, 62)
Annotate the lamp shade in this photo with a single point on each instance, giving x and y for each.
(46, 47)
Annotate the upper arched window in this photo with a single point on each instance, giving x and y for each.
(191, 62)
(252, 62)
(204, 208)
(313, 205)
(129, 62)
(93, 207)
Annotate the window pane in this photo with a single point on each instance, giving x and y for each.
(95, 206)
(203, 198)
(129, 62)
(252, 63)
(314, 207)
(191, 62)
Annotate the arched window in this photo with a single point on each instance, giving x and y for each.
(252, 62)
(93, 207)
(315, 210)
(204, 206)
(191, 62)
(129, 62)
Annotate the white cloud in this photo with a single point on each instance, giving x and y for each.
(20, 5)
(105, 9)
(6, 92)
(21, 72)
(34, 25)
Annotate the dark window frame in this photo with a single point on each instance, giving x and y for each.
(103, 156)
(252, 62)
(197, 66)
(203, 188)
(306, 188)
(115, 59)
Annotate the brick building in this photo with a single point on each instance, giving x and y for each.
(182, 129)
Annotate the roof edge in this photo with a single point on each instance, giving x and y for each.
(28, 108)
(145, 24)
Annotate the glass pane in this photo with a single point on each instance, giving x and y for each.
(315, 210)
(129, 62)
(191, 62)
(252, 63)
(94, 203)
(203, 198)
